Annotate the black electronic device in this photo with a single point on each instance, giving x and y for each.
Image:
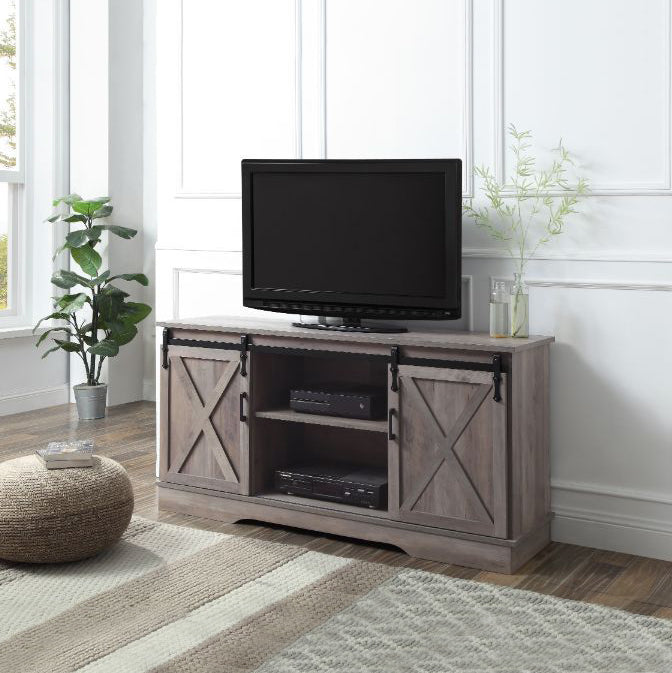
(348, 401)
(374, 239)
(363, 487)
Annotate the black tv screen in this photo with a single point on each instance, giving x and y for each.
(353, 238)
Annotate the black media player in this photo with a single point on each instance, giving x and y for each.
(364, 487)
(348, 401)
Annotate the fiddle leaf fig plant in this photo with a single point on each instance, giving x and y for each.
(96, 317)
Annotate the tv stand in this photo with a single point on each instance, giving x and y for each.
(463, 440)
(349, 325)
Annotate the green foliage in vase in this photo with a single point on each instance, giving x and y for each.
(534, 207)
(96, 316)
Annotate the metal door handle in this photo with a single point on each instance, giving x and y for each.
(390, 432)
(243, 417)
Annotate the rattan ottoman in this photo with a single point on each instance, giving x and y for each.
(51, 516)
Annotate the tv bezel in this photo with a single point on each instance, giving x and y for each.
(348, 305)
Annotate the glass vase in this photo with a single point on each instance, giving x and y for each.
(519, 307)
(499, 310)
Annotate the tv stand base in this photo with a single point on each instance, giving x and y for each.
(350, 325)
(475, 551)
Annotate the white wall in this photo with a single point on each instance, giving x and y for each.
(26, 381)
(125, 180)
(402, 78)
(107, 153)
(89, 118)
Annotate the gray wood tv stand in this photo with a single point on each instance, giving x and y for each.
(465, 441)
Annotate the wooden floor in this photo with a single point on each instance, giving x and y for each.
(128, 435)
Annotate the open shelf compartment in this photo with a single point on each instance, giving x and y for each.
(277, 446)
(293, 416)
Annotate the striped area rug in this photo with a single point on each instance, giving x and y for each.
(169, 598)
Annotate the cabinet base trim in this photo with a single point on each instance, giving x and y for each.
(481, 553)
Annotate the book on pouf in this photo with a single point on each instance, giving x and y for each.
(59, 455)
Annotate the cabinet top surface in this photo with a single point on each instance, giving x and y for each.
(476, 341)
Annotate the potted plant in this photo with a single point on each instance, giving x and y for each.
(95, 317)
(526, 214)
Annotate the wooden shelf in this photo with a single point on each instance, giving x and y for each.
(325, 505)
(316, 419)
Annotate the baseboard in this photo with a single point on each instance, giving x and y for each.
(35, 399)
(628, 521)
(149, 390)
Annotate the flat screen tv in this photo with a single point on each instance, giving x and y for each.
(377, 239)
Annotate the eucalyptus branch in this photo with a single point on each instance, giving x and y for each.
(542, 200)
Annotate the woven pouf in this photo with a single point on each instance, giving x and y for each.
(50, 516)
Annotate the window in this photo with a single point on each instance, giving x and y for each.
(11, 169)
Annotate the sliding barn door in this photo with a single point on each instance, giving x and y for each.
(448, 455)
(204, 436)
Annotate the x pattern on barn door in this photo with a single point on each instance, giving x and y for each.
(452, 461)
(205, 429)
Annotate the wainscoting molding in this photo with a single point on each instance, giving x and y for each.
(599, 520)
(149, 390)
(468, 93)
(176, 282)
(469, 280)
(572, 256)
(589, 284)
(180, 192)
(467, 118)
(35, 399)
(500, 134)
(601, 285)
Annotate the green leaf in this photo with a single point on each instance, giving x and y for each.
(139, 277)
(108, 306)
(134, 312)
(58, 315)
(80, 237)
(74, 218)
(123, 333)
(88, 259)
(70, 346)
(70, 303)
(64, 247)
(106, 348)
(53, 218)
(76, 239)
(100, 279)
(103, 211)
(88, 208)
(53, 329)
(67, 279)
(50, 350)
(69, 199)
(124, 232)
(113, 290)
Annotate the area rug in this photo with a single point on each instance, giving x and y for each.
(170, 598)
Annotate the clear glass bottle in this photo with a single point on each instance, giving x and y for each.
(499, 310)
(520, 302)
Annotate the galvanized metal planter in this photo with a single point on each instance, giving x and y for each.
(91, 401)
